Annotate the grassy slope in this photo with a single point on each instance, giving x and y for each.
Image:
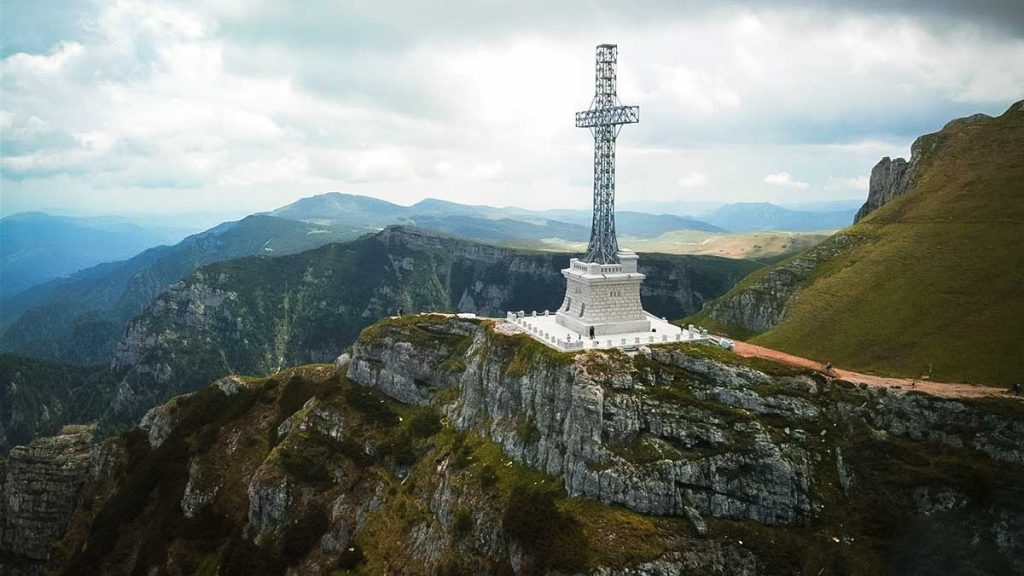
(940, 283)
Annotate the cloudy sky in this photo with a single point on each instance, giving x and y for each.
(243, 105)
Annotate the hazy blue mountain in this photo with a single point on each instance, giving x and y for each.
(749, 216)
(639, 224)
(79, 318)
(825, 205)
(36, 247)
(361, 212)
(475, 221)
(686, 208)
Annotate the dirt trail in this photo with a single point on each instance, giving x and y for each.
(945, 389)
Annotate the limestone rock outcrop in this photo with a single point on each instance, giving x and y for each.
(889, 179)
(39, 489)
(240, 317)
(676, 431)
(453, 447)
(759, 305)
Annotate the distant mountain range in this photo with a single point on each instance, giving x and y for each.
(255, 315)
(79, 317)
(756, 216)
(37, 247)
(479, 222)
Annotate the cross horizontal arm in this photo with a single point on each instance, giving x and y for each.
(611, 116)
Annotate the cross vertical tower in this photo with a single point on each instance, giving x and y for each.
(605, 119)
(602, 291)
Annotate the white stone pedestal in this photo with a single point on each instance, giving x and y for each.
(603, 299)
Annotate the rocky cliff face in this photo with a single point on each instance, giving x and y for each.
(674, 431)
(759, 303)
(256, 316)
(39, 489)
(459, 447)
(889, 179)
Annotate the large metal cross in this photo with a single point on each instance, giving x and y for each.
(605, 119)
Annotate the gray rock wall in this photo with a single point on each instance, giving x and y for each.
(39, 489)
(762, 304)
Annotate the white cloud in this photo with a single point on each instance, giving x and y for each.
(222, 100)
(855, 183)
(784, 179)
(692, 180)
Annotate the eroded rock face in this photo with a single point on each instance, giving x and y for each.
(674, 433)
(231, 318)
(39, 489)
(713, 464)
(760, 306)
(889, 179)
(580, 418)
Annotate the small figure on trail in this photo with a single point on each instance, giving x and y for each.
(827, 368)
(913, 383)
(399, 312)
(1016, 389)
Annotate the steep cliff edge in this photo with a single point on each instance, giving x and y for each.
(259, 315)
(39, 489)
(446, 446)
(927, 281)
(891, 179)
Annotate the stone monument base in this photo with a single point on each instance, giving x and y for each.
(603, 299)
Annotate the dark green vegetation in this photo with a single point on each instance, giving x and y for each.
(138, 508)
(38, 247)
(79, 319)
(308, 471)
(38, 396)
(933, 282)
(256, 315)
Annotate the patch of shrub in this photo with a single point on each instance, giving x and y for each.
(462, 451)
(454, 365)
(303, 534)
(526, 429)
(304, 465)
(400, 448)
(462, 523)
(243, 558)
(451, 565)
(425, 423)
(370, 404)
(488, 477)
(350, 558)
(552, 539)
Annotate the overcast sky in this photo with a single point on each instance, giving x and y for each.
(244, 105)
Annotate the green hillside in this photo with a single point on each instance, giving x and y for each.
(935, 280)
(79, 319)
(37, 397)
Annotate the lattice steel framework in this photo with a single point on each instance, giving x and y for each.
(605, 119)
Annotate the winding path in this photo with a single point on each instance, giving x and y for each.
(945, 389)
